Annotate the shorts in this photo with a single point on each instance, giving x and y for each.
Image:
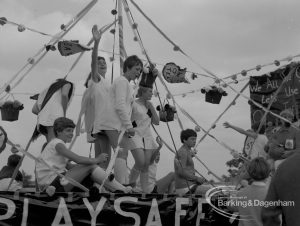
(138, 142)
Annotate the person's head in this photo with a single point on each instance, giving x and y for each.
(63, 129)
(256, 126)
(102, 69)
(102, 66)
(132, 67)
(188, 137)
(144, 93)
(288, 115)
(258, 169)
(13, 160)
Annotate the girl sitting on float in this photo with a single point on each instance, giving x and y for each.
(58, 157)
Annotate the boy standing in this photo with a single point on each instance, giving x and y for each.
(185, 176)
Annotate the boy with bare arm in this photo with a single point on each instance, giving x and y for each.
(185, 178)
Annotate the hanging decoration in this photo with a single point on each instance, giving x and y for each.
(213, 94)
(3, 21)
(167, 113)
(174, 74)
(67, 48)
(10, 110)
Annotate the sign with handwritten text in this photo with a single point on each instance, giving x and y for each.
(263, 90)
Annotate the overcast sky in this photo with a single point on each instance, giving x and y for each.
(224, 37)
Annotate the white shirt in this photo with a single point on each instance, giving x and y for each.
(121, 96)
(56, 161)
(100, 98)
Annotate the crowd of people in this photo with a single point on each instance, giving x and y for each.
(268, 178)
(269, 170)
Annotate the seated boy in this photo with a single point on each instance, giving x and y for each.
(185, 178)
(57, 156)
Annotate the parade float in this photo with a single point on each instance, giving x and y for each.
(269, 94)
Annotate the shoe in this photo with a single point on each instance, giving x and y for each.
(133, 184)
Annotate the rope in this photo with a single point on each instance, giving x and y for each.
(69, 26)
(131, 21)
(219, 117)
(113, 160)
(177, 48)
(274, 98)
(122, 50)
(174, 152)
(71, 180)
(113, 52)
(53, 41)
(194, 121)
(101, 30)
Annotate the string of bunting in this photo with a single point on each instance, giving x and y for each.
(102, 30)
(183, 94)
(233, 76)
(137, 35)
(198, 127)
(31, 61)
(177, 48)
(22, 27)
(219, 117)
(26, 153)
(123, 53)
(170, 95)
(135, 31)
(68, 27)
(194, 75)
(113, 31)
(260, 66)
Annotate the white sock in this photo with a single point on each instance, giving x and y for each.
(121, 171)
(144, 181)
(98, 175)
(134, 174)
